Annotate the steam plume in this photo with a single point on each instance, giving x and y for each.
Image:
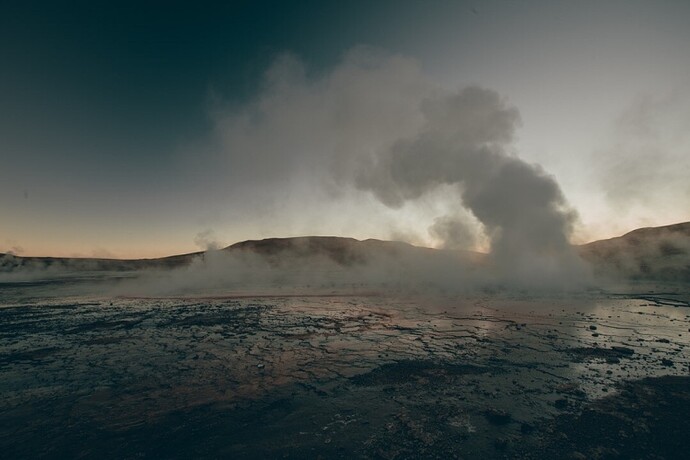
(207, 240)
(463, 142)
(375, 124)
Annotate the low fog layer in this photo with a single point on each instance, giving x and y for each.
(328, 265)
(291, 265)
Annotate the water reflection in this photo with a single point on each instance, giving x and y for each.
(463, 364)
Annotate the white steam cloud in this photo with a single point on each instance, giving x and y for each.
(207, 240)
(376, 124)
(463, 142)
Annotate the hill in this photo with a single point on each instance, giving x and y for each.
(343, 251)
(651, 253)
(654, 253)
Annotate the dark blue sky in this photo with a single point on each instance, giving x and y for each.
(127, 73)
(139, 69)
(110, 111)
(111, 88)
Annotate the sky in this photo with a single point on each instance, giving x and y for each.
(130, 130)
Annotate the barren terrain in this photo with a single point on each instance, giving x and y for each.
(297, 372)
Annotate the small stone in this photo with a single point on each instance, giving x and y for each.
(497, 416)
(592, 328)
(260, 366)
(623, 350)
(526, 428)
(501, 443)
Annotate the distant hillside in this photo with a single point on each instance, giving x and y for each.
(657, 253)
(652, 253)
(9, 262)
(343, 251)
(346, 252)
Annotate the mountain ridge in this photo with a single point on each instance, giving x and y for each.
(646, 253)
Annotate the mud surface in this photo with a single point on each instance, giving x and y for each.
(499, 376)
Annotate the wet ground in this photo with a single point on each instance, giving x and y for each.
(485, 376)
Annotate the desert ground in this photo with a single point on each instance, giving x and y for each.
(338, 372)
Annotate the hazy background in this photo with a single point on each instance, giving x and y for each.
(134, 131)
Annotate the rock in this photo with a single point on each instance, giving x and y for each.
(497, 416)
(526, 428)
(592, 328)
(561, 403)
(667, 362)
(501, 443)
(623, 350)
